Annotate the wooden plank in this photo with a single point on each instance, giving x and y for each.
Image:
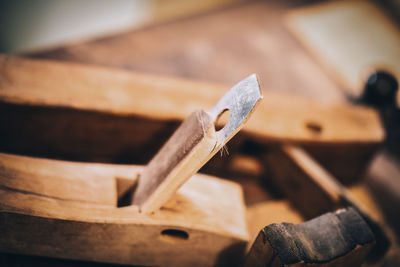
(91, 184)
(313, 190)
(340, 238)
(213, 229)
(271, 211)
(300, 174)
(249, 36)
(177, 9)
(303, 181)
(372, 40)
(33, 82)
(116, 99)
(99, 104)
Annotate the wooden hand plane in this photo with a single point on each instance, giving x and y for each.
(71, 111)
(77, 118)
(70, 210)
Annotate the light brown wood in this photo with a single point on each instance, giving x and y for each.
(307, 183)
(98, 104)
(267, 212)
(280, 117)
(271, 51)
(194, 143)
(249, 36)
(303, 181)
(176, 9)
(87, 183)
(329, 185)
(195, 219)
(314, 190)
(372, 41)
(188, 149)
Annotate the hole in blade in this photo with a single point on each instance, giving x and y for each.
(222, 119)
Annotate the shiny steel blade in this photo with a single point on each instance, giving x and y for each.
(240, 100)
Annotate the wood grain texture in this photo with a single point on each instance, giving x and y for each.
(267, 212)
(93, 183)
(303, 181)
(305, 78)
(341, 238)
(35, 82)
(372, 40)
(314, 190)
(84, 230)
(98, 104)
(251, 37)
(187, 150)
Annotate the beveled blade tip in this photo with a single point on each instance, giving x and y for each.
(240, 100)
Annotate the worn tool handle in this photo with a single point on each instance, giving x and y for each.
(181, 156)
(193, 144)
(340, 238)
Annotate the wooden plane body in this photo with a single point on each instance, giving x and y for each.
(70, 210)
(90, 113)
(94, 114)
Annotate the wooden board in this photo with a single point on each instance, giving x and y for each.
(97, 105)
(351, 39)
(267, 212)
(196, 219)
(303, 181)
(250, 36)
(93, 183)
(313, 190)
(281, 117)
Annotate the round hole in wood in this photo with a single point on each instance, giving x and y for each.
(173, 235)
(222, 119)
(314, 127)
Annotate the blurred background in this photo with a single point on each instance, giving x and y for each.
(27, 26)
